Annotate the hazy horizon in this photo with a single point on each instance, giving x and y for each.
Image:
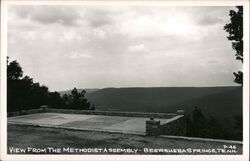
(63, 47)
(148, 87)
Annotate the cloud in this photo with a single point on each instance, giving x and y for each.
(78, 54)
(99, 33)
(48, 14)
(141, 26)
(212, 61)
(209, 20)
(71, 35)
(98, 17)
(110, 41)
(138, 48)
(210, 15)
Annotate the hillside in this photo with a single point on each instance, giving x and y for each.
(219, 104)
(165, 99)
(222, 102)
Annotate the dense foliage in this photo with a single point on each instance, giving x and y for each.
(23, 93)
(76, 99)
(235, 30)
(200, 126)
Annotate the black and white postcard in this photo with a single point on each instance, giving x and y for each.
(124, 80)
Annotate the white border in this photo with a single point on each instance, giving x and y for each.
(3, 116)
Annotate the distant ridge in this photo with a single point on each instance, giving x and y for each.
(222, 102)
(151, 99)
(88, 90)
(164, 99)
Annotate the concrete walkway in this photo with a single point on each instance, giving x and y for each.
(131, 125)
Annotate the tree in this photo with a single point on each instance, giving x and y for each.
(215, 129)
(235, 30)
(238, 125)
(77, 100)
(65, 99)
(14, 70)
(238, 77)
(92, 107)
(24, 94)
(55, 100)
(199, 122)
(210, 127)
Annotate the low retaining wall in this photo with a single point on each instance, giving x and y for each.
(152, 127)
(91, 112)
(174, 126)
(26, 112)
(114, 113)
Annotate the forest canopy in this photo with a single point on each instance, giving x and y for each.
(23, 93)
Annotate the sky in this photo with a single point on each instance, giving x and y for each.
(122, 46)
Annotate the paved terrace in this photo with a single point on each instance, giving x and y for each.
(130, 125)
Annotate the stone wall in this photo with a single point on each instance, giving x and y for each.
(176, 127)
(91, 112)
(26, 112)
(152, 127)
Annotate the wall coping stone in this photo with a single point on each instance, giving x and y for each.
(96, 112)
